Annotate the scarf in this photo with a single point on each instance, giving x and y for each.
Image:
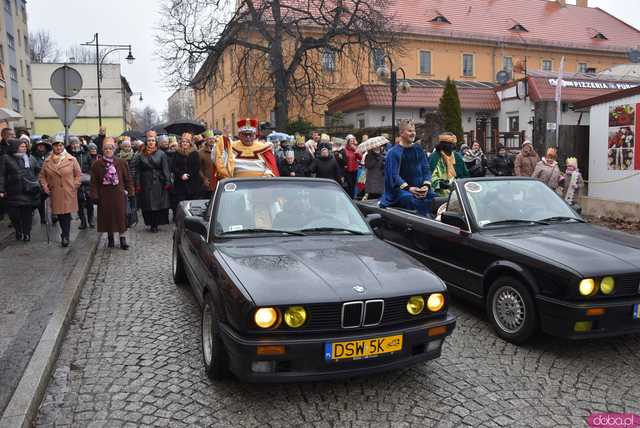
(111, 175)
(148, 151)
(57, 158)
(472, 155)
(549, 162)
(125, 155)
(25, 158)
(450, 162)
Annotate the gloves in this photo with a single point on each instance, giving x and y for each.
(445, 185)
(168, 187)
(138, 189)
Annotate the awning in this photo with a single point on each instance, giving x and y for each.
(9, 115)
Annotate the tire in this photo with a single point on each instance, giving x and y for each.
(177, 265)
(511, 310)
(214, 356)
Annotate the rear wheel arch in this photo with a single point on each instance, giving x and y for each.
(506, 268)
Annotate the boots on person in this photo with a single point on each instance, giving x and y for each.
(65, 241)
(92, 225)
(123, 243)
(110, 241)
(83, 220)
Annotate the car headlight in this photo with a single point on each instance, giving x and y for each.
(415, 305)
(295, 316)
(607, 285)
(266, 317)
(435, 302)
(588, 287)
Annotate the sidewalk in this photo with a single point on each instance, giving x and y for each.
(37, 284)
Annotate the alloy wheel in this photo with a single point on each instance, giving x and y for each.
(509, 309)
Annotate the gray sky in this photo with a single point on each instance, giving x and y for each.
(71, 22)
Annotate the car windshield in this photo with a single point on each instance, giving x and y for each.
(515, 202)
(293, 208)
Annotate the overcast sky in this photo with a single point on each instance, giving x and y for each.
(72, 22)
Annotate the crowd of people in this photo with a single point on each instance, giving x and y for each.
(154, 174)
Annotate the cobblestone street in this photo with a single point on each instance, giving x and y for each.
(132, 358)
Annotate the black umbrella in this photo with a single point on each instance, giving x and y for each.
(134, 135)
(159, 129)
(184, 125)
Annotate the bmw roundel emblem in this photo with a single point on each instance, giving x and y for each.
(358, 289)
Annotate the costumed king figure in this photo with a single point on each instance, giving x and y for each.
(407, 177)
(252, 158)
(446, 164)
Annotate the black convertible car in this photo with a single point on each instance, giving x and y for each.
(514, 246)
(294, 285)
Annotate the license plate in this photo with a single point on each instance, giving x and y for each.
(636, 311)
(361, 349)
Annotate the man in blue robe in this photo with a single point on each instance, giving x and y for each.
(407, 176)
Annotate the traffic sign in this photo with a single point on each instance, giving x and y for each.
(66, 81)
(67, 109)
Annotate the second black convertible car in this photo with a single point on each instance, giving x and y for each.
(295, 286)
(514, 246)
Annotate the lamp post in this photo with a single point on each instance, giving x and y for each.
(99, 60)
(138, 93)
(383, 72)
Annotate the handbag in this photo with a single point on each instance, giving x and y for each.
(30, 187)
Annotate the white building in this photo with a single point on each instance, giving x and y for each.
(181, 105)
(115, 95)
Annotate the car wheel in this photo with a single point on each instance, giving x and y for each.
(214, 356)
(177, 265)
(511, 310)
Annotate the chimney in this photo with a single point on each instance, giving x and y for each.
(582, 3)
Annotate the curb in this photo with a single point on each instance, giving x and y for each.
(23, 406)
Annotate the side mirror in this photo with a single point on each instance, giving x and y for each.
(195, 225)
(454, 219)
(373, 219)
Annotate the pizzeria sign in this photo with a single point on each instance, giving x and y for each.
(585, 84)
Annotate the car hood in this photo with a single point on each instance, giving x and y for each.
(587, 249)
(323, 269)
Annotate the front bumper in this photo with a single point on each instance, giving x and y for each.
(558, 317)
(304, 357)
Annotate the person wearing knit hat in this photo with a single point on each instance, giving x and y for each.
(526, 160)
(547, 170)
(446, 164)
(324, 143)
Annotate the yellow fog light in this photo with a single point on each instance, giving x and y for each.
(582, 326)
(607, 285)
(588, 287)
(415, 305)
(435, 302)
(295, 316)
(265, 317)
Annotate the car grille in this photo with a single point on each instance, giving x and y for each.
(627, 285)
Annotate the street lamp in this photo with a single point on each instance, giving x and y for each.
(138, 93)
(383, 73)
(99, 60)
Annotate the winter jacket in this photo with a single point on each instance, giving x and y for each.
(206, 165)
(326, 168)
(352, 159)
(501, 166)
(526, 164)
(290, 169)
(548, 172)
(13, 181)
(186, 163)
(303, 159)
(152, 181)
(374, 163)
(63, 180)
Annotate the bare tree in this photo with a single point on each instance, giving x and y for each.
(281, 51)
(42, 47)
(82, 54)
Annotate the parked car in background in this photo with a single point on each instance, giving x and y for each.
(515, 247)
(294, 285)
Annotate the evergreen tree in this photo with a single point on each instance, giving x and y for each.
(451, 110)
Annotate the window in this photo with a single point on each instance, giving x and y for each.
(21, 69)
(1, 54)
(19, 38)
(24, 99)
(361, 121)
(467, 65)
(24, 13)
(547, 65)
(7, 5)
(13, 73)
(377, 58)
(514, 124)
(582, 67)
(11, 41)
(15, 104)
(425, 62)
(31, 101)
(507, 65)
(26, 44)
(328, 60)
(441, 19)
(28, 72)
(519, 28)
(453, 204)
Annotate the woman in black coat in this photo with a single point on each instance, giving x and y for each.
(153, 183)
(374, 163)
(85, 203)
(186, 173)
(40, 152)
(326, 166)
(19, 187)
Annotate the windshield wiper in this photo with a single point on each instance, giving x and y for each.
(288, 232)
(331, 229)
(563, 218)
(514, 221)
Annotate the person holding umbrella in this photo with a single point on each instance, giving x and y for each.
(19, 187)
(153, 183)
(60, 179)
(374, 164)
(111, 187)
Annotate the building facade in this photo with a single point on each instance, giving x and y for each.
(16, 60)
(115, 95)
(180, 105)
(466, 41)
